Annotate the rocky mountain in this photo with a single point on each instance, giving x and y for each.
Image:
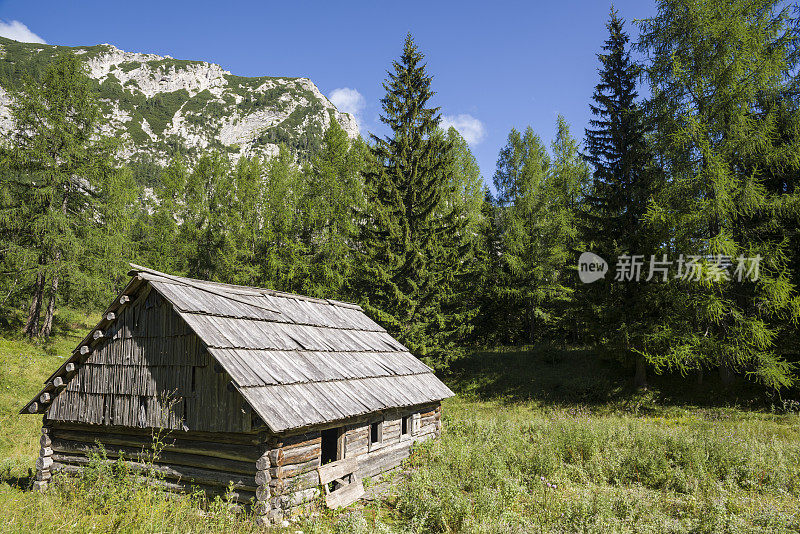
(162, 106)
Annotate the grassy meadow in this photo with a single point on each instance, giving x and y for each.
(538, 440)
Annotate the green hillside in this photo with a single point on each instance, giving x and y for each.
(162, 106)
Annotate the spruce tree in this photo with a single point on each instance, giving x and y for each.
(408, 259)
(613, 213)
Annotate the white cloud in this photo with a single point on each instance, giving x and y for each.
(350, 101)
(19, 32)
(470, 128)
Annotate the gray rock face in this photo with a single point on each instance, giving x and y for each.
(159, 105)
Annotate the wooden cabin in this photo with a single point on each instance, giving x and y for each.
(280, 395)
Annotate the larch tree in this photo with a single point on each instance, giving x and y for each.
(533, 252)
(719, 68)
(283, 257)
(208, 218)
(569, 178)
(464, 196)
(334, 194)
(66, 204)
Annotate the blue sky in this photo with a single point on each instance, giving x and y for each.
(496, 65)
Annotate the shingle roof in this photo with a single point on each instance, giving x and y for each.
(299, 361)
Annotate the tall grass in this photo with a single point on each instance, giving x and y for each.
(537, 441)
(107, 497)
(568, 471)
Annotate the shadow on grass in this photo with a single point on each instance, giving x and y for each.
(24, 483)
(549, 375)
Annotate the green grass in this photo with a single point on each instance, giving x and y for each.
(23, 368)
(537, 440)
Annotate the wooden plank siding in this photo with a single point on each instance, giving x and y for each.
(293, 478)
(151, 371)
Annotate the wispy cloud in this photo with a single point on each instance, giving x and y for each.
(16, 30)
(470, 128)
(350, 101)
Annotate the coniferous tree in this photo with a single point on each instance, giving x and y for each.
(155, 232)
(509, 168)
(67, 206)
(718, 67)
(538, 228)
(521, 163)
(283, 259)
(570, 178)
(208, 221)
(614, 210)
(408, 260)
(335, 191)
(493, 318)
(464, 197)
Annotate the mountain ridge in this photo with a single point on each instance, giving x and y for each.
(161, 107)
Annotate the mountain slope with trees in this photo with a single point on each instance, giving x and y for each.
(162, 107)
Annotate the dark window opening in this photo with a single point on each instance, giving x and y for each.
(405, 425)
(375, 433)
(330, 446)
(142, 411)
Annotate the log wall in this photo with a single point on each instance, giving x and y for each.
(185, 460)
(289, 479)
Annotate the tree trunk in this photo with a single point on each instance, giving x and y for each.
(32, 324)
(725, 375)
(700, 376)
(47, 326)
(640, 376)
(532, 324)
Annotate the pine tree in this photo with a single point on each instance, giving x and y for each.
(717, 68)
(67, 206)
(614, 210)
(408, 260)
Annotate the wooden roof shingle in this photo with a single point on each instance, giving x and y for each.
(298, 361)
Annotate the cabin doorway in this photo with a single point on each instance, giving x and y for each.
(332, 445)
